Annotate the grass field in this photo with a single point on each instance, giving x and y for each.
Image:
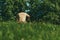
(30, 31)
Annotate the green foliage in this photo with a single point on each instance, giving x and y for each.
(51, 17)
(30, 31)
(38, 9)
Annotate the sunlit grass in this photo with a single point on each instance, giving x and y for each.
(29, 31)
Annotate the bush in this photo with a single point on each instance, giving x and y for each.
(30, 31)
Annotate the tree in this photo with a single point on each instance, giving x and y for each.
(45, 10)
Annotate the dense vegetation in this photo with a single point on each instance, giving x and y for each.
(43, 24)
(46, 10)
(29, 31)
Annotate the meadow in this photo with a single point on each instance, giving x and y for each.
(11, 30)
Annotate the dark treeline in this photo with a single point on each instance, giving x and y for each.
(39, 10)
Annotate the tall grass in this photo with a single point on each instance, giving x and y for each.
(29, 31)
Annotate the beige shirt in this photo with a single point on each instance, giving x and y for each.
(22, 17)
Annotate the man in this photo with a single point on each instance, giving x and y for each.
(22, 17)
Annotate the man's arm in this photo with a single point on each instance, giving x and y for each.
(28, 15)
